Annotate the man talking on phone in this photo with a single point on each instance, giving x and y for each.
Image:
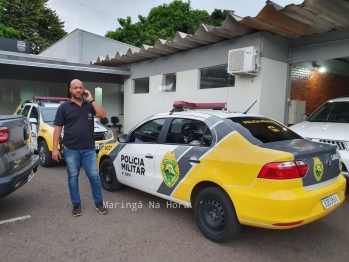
(76, 116)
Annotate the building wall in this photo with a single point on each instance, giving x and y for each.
(8, 107)
(316, 88)
(66, 48)
(269, 83)
(271, 80)
(273, 89)
(83, 47)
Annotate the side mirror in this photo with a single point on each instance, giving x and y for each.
(33, 121)
(122, 138)
(304, 117)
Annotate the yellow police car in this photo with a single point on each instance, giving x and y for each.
(233, 169)
(41, 112)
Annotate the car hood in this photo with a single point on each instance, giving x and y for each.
(100, 128)
(325, 130)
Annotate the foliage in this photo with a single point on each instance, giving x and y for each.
(36, 22)
(8, 32)
(163, 22)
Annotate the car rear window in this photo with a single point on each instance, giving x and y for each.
(261, 130)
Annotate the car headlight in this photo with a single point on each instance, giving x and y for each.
(340, 158)
(108, 134)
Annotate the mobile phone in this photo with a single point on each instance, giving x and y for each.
(85, 95)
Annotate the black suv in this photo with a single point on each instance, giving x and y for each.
(18, 163)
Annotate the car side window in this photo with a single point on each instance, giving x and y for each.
(34, 114)
(189, 132)
(26, 110)
(148, 132)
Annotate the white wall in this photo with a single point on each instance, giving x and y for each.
(141, 106)
(83, 47)
(273, 89)
(67, 48)
(8, 107)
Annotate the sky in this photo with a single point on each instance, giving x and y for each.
(100, 16)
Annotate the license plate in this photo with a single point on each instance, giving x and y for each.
(31, 175)
(330, 201)
(97, 147)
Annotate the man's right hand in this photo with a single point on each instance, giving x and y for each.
(56, 155)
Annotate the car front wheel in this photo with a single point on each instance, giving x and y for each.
(108, 176)
(215, 215)
(45, 155)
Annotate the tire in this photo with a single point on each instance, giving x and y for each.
(45, 155)
(215, 215)
(108, 176)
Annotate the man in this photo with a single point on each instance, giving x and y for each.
(76, 116)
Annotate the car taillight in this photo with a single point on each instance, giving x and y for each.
(3, 134)
(284, 170)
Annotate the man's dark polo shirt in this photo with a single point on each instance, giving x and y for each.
(78, 125)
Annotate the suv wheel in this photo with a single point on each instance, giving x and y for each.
(45, 156)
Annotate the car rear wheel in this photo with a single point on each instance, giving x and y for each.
(215, 215)
(108, 176)
(45, 156)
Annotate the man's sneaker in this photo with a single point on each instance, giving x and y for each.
(101, 209)
(77, 210)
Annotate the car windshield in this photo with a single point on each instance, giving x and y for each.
(48, 113)
(331, 112)
(261, 129)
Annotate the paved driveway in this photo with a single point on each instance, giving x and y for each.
(48, 231)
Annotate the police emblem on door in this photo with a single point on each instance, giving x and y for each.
(169, 169)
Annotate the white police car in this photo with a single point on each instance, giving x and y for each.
(233, 169)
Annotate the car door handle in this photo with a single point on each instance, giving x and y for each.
(149, 156)
(194, 159)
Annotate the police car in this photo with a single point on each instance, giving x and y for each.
(41, 113)
(233, 169)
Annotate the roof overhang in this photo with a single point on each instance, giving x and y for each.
(293, 21)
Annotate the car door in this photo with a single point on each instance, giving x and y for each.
(182, 153)
(135, 160)
(35, 125)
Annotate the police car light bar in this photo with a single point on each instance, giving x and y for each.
(189, 105)
(50, 98)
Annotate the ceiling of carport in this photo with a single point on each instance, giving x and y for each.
(293, 21)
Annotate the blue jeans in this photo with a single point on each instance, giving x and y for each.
(87, 159)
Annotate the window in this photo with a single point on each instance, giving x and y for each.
(141, 85)
(34, 114)
(216, 77)
(264, 129)
(148, 132)
(169, 83)
(26, 110)
(190, 132)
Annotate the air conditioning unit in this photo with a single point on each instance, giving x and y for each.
(244, 61)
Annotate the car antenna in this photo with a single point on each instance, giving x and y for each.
(249, 107)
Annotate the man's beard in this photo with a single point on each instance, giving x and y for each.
(77, 97)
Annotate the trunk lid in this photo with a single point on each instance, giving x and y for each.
(17, 150)
(322, 159)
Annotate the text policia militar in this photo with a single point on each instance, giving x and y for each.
(134, 165)
(139, 205)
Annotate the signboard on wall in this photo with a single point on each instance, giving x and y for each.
(14, 45)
